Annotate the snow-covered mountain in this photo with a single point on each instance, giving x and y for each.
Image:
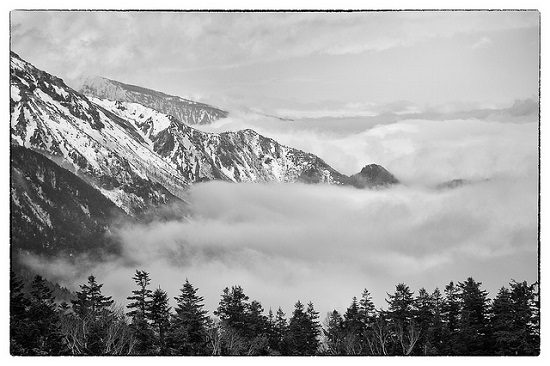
(76, 159)
(241, 156)
(137, 156)
(185, 110)
(101, 148)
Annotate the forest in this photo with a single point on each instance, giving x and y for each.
(460, 320)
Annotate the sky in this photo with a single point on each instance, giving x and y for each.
(296, 64)
(431, 96)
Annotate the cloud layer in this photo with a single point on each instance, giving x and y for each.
(325, 244)
(321, 243)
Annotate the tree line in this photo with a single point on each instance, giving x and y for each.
(461, 320)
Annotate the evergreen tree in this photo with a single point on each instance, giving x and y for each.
(424, 315)
(472, 336)
(450, 316)
(188, 334)
(139, 312)
(159, 313)
(278, 342)
(354, 326)
(314, 329)
(435, 332)
(335, 335)
(514, 320)
(90, 300)
(95, 321)
(44, 333)
(400, 315)
(367, 313)
(303, 331)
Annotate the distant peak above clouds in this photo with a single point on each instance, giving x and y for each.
(185, 110)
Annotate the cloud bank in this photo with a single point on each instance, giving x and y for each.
(285, 242)
(289, 242)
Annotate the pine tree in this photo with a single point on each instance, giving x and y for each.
(334, 334)
(257, 329)
(514, 320)
(367, 313)
(44, 335)
(303, 331)
(314, 329)
(139, 312)
(160, 320)
(354, 327)
(400, 313)
(90, 300)
(188, 334)
(472, 336)
(450, 315)
(280, 327)
(424, 315)
(95, 320)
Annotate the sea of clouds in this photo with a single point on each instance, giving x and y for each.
(325, 244)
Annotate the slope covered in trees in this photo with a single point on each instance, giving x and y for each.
(460, 321)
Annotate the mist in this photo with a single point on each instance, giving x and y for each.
(325, 244)
(289, 242)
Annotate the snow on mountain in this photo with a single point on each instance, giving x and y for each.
(139, 157)
(241, 156)
(185, 110)
(93, 143)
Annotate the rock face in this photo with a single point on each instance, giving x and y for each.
(53, 211)
(185, 110)
(89, 141)
(373, 176)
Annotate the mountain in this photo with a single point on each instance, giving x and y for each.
(139, 157)
(373, 176)
(96, 145)
(241, 156)
(185, 110)
(52, 210)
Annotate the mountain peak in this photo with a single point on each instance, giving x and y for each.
(373, 175)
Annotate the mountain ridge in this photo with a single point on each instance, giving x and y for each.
(185, 110)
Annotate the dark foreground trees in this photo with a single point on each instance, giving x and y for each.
(461, 320)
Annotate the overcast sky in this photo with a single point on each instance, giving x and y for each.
(288, 63)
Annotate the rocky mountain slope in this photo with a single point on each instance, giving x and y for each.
(53, 211)
(91, 142)
(185, 110)
(139, 157)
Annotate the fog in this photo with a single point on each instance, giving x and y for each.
(325, 244)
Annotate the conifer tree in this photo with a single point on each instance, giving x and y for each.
(139, 312)
(424, 314)
(45, 336)
(90, 300)
(334, 333)
(95, 320)
(188, 334)
(303, 331)
(160, 320)
(278, 343)
(450, 315)
(472, 336)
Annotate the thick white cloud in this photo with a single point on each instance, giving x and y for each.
(287, 242)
